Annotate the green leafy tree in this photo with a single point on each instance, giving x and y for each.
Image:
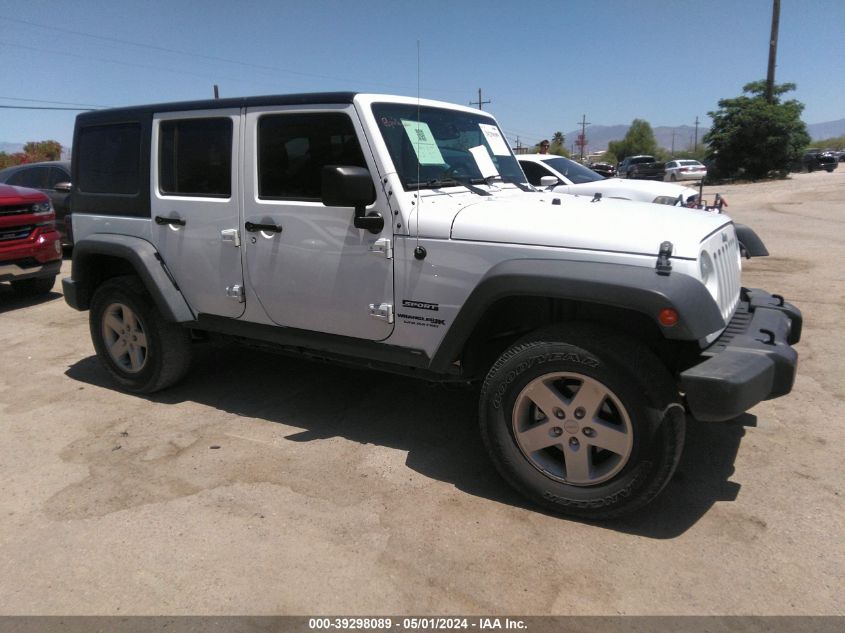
(638, 140)
(753, 137)
(37, 151)
(33, 152)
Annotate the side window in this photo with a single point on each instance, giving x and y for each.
(195, 157)
(109, 158)
(33, 177)
(534, 172)
(294, 148)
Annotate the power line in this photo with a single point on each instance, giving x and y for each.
(11, 107)
(69, 103)
(213, 58)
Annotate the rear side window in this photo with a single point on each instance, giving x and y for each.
(294, 148)
(109, 158)
(195, 157)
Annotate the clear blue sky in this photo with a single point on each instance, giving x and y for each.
(543, 63)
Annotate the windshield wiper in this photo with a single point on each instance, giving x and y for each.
(450, 182)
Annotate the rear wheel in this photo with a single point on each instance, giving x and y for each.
(143, 352)
(33, 287)
(582, 422)
(674, 178)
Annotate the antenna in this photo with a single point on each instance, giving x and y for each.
(419, 251)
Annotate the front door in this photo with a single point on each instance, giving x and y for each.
(195, 202)
(306, 263)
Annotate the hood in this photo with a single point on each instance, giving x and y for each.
(606, 225)
(9, 194)
(642, 190)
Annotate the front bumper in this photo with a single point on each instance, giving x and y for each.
(751, 361)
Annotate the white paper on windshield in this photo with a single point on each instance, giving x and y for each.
(422, 140)
(494, 138)
(484, 162)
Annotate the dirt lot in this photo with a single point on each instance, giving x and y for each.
(264, 485)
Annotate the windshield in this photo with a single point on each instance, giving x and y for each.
(437, 147)
(576, 172)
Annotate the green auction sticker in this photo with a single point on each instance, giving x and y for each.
(422, 140)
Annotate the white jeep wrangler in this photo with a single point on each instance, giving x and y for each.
(401, 234)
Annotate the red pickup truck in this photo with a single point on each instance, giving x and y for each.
(30, 246)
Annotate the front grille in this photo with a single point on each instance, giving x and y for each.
(724, 250)
(16, 233)
(16, 210)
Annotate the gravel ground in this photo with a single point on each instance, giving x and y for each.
(264, 485)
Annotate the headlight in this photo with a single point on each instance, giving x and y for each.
(708, 274)
(40, 208)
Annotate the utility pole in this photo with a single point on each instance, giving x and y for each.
(582, 138)
(673, 142)
(773, 52)
(216, 92)
(695, 147)
(479, 103)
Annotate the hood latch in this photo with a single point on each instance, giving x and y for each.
(664, 266)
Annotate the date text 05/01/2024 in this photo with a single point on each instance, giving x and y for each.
(415, 624)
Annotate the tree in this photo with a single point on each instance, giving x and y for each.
(753, 137)
(638, 140)
(37, 151)
(33, 152)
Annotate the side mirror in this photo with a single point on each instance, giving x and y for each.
(64, 187)
(346, 186)
(549, 181)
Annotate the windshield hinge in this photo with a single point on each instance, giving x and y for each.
(383, 247)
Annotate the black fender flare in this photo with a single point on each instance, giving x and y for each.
(142, 256)
(635, 288)
(750, 244)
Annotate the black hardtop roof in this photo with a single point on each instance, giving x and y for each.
(231, 102)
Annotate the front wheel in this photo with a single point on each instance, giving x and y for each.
(143, 352)
(582, 422)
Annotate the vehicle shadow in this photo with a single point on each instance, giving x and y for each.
(435, 424)
(10, 300)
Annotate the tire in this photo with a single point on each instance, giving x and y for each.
(611, 465)
(142, 352)
(34, 287)
(674, 178)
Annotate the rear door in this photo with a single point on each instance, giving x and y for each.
(195, 200)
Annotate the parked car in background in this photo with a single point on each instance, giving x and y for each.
(30, 246)
(819, 159)
(642, 166)
(51, 178)
(574, 178)
(604, 169)
(684, 169)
